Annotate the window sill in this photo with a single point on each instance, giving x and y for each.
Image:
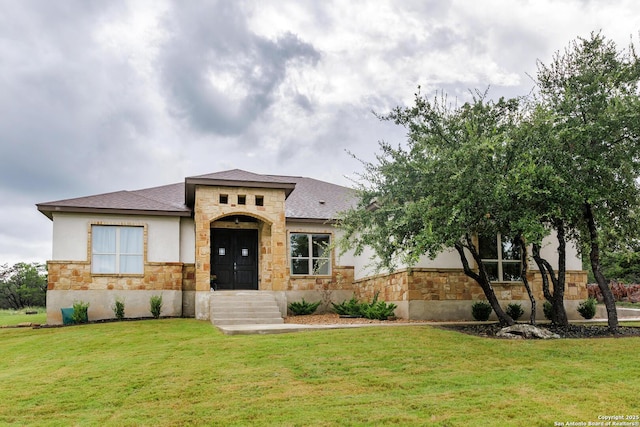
(311, 276)
(117, 274)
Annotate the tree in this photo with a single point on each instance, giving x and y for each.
(590, 92)
(23, 285)
(441, 190)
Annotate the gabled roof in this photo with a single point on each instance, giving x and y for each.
(237, 178)
(307, 198)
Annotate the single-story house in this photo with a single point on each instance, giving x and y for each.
(237, 230)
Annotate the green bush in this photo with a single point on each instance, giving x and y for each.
(481, 310)
(80, 314)
(515, 311)
(156, 306)
(379, 310)
(587, 308)
(118, 308)
(303, 307)
(547, 309)
(348, 308)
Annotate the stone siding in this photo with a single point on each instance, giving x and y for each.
(341, 280)
(272, 245)
(77, 276)
(189, 277)
(454, 285)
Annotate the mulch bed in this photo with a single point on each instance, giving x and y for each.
(572, 331)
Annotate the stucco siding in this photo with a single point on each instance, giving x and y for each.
(71, 232)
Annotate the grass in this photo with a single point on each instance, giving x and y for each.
(15, 317)
(172, 372)
(626, 304)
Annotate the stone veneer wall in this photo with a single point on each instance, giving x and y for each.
(77, 276)
(71, 281)
(418, 290)
(273, 265)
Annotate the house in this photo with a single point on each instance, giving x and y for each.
(237, 230)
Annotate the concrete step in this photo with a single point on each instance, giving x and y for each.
(244, 308)
(240, 322)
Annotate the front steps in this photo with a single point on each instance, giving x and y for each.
(243, 308)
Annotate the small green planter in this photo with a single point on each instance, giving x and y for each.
(67, 316)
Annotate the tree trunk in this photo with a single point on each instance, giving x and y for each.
(594, 258)
(525, 281)
(482, 279)
(559, 312)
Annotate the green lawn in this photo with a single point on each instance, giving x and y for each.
(15, 317)
(174, 372)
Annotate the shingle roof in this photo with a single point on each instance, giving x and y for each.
(308, 198)
(165, 200)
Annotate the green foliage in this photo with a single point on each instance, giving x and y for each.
(80, 312)
(621, 263)
(118, 308)
(379, 310)
(351, 307)
(156, 306)
(587, 308)
(481, 310)
(301, 308)
(547, 309)
(375, 309)
(515, 310)
(23, 285)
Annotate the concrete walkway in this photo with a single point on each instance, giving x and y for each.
(264, 329)
(624, 315)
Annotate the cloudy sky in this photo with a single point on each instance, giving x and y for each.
(100, 96)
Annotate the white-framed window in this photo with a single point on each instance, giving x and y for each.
(310, 254)
(117, 249)
(501, 258)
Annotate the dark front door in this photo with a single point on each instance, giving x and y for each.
(234, 259)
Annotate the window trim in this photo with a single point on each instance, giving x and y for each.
(310, 258)
(500, 261)
(117, 254)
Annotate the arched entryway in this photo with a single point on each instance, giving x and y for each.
(234, 253)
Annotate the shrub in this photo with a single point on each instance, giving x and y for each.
(481, 310)
(348, 308)
(547, 309)
(515, 311)
(303, 307)
(379, 310)
(80, 309)
(156, 306)
(118, 308)
(375, 309)
(587, 308)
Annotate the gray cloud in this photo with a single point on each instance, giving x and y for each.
(220, 74)
(100, 96)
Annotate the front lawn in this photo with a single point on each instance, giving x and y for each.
(172, 372)
(15, 317)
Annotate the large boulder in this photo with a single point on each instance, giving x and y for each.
(521, 331)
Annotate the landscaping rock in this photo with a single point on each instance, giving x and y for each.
(525, 331)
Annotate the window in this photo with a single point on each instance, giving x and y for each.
(501, 258)
(242, 199)
(224, 199)
(117, 249)
(310, 254)
(259, 200)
